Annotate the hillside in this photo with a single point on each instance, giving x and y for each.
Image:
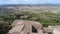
(46, 15)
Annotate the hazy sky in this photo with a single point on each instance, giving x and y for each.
(29, 1)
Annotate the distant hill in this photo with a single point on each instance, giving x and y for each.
(17, 5)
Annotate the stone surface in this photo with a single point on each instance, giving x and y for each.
(25, 27)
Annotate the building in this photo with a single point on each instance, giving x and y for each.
(26, 27)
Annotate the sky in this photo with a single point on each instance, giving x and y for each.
(29, 2)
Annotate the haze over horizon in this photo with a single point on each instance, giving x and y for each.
(3, 2)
